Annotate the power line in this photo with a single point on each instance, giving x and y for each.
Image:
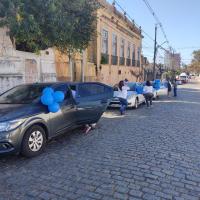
(157, 20)
(142, 30)
(185, 48)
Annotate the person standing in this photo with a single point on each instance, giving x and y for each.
(148, 93)
(122, 95)
(169, 88)
(175, 87)
(126, 81)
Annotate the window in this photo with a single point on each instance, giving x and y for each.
(128, 60)
(133, 52)
(114, 45)
(129, 51)
(138, 57)
(90, 89)
(133, 55)
(138, 54)
(114, 58)
(122, 45)
(23, 94)
(64, 89)
(104, 42)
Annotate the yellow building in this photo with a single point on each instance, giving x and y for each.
(113, 55)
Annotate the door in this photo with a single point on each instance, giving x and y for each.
(31, 72)
(91, 102)
(64, 118)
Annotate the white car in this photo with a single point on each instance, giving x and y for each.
(134, 99)
(162, 91)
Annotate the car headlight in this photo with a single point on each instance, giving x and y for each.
(10, 125)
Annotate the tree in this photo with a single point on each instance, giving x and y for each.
(195, 64)
(40, 24)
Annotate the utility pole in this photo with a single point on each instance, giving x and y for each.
(83, 65)
(173, 65)
(155, 52)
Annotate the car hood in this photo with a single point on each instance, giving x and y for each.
(15, 111)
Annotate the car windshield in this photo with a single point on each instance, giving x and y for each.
(23, 94)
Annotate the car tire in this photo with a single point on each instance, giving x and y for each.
(34, 141)
(136, 104)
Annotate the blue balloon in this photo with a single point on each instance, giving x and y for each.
(47, 99)
(54, 107)
(48, 90)
(58, 96)
(139, 89)
(157, 84)
(157, 81)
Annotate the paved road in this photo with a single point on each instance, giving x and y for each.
(148, 154)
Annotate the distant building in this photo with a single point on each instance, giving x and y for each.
(168, 60)
(177, 61)
(172, 61)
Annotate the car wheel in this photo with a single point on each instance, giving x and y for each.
(136, 104)
(34, 141)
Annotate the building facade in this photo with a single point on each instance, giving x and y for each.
(113, 55)
(177, 61)
(118, 46)
(172, 61)
(18, 67)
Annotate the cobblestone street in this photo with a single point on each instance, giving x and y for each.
(148, 154)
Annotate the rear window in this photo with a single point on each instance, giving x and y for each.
(86, 90)
(64, 89)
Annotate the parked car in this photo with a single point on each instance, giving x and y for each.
(179, 82)
(184, 78)
(163, 90)
(134, 99)
(26, 125)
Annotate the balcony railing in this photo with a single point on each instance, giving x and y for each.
(114, 60)
(133, 63)
(122, 61)
(138, 63)
(104, 58)
(128, 62)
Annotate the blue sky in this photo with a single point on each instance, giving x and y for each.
(180, 19)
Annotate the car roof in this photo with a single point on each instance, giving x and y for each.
(67, 83)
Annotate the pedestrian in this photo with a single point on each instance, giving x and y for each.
(126, 81)
(89, 127)
(169, 88)
(148, 93)
(122, 95)
(175, 85)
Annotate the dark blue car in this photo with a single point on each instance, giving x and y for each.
(26, 125)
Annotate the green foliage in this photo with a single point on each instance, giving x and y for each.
(196, 56)
(37, 25)
(195, 65)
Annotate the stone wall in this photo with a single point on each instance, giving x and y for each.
(17, 67)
